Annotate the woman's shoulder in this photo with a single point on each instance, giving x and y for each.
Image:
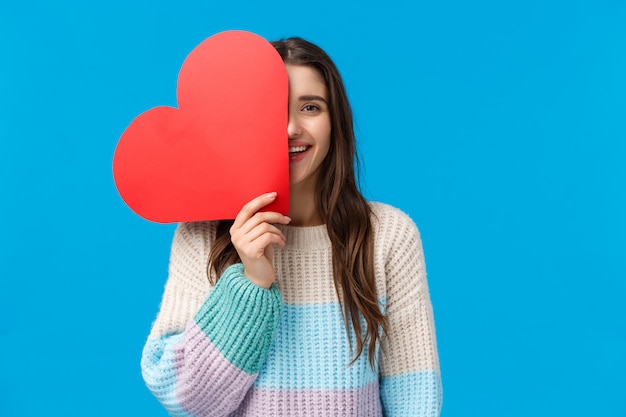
(387, 218)
(196, 228)
(194, 236)
(394, 231)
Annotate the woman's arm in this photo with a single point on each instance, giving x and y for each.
(204, 351)
(410, 382)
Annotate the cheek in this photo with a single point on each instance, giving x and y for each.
(323, 154)
(323, 143)
(325, 134)
(327, 142)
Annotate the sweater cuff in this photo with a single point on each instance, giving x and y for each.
(239, 318)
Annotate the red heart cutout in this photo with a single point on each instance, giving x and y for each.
(224, 145)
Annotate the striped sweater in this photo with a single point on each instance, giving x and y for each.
(237, 349)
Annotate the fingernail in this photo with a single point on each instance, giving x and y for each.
(288, 218)
(271, 195)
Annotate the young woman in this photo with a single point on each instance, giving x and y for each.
(322, 313)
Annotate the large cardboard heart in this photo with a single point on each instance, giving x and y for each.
(225, 144)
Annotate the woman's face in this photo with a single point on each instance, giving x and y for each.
(309, 124)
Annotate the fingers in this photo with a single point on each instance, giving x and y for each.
(262, 229)
(253, 231)
(259, 218)
(253, 206)
(252, 243)
(255, 249)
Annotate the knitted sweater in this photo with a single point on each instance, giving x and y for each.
(237, 349)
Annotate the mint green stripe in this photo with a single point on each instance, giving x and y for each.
(239, 318)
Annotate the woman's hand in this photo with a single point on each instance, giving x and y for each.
(253, 234)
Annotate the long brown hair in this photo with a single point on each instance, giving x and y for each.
(345, 212)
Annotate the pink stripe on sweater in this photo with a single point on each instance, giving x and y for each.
(362, 402)
(208, 384)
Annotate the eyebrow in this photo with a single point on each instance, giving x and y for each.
(312, 98)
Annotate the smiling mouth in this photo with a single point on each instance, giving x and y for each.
(295, 150)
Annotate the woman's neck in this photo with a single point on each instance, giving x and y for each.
(302, 208)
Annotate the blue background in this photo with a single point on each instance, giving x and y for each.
(498, 126)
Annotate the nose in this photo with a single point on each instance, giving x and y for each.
(293, 127)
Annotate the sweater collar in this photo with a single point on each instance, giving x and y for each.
(309, 237)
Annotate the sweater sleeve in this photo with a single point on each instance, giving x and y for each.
(410, 382)
(207, 345)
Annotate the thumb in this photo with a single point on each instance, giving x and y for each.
(269, 252)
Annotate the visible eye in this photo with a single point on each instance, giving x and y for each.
(310, 108)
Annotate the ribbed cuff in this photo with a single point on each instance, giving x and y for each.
(239, 318)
